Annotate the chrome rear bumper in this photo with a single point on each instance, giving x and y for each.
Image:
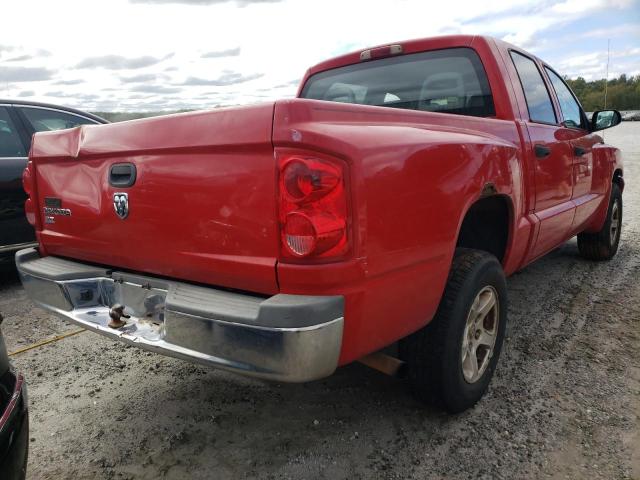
(292, 338)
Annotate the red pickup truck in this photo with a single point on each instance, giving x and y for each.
(385, 205)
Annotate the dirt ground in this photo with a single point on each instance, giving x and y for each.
(565, 401)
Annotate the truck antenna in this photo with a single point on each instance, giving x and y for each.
(606, 80)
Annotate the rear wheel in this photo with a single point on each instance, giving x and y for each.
(603, 245)
(450, 362)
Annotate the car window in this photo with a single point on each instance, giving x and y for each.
(568, 104)
(535, 91)
(43, 120)
(10, 144)
(449, 81)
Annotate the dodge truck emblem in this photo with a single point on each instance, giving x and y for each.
(121, 204)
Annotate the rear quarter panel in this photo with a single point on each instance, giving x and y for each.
(413, 176)
(606, 160)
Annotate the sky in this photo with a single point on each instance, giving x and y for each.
(151, 55)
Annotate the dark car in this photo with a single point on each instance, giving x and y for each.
(14, 419)
(18, 122)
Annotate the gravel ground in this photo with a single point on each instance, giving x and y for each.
(565, 401)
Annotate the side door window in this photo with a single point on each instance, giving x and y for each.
(571, 111)
(535, 92)
(10, 144)
(43, 120)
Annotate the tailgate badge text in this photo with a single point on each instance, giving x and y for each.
(65, 212)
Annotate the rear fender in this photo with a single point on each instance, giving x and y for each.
(413, 177)
(607, 162)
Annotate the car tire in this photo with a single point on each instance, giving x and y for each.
(439, 357)
(603, 245)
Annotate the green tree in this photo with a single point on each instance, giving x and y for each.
(623, 93)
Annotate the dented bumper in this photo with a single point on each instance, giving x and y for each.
(292, 338)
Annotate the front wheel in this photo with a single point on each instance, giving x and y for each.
(450, 362)
(603, 245)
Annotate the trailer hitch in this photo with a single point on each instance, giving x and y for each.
(117, 314)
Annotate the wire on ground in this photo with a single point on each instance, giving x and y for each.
(47, 341)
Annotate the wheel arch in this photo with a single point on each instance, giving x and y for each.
(487, 224)
(618, 178)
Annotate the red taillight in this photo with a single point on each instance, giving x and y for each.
(27, 184)
(299, 234)
(301, 182)
(313, 206)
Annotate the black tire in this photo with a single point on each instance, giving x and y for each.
(433, 355)
(603, 245)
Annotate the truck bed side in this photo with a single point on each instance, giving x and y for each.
(413, 176)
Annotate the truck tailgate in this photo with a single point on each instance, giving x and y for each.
(202, 207)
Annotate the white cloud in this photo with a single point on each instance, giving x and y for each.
(230, 52)
(576, 6)
(119, 62)
(593, 65)
(24, 74)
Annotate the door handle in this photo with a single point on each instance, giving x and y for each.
(541, 151)
(122, 175)
(579, 151)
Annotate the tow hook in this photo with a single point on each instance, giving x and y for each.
(117, 314)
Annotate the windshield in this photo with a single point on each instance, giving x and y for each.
(449, 81)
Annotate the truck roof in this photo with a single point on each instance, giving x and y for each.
(408, 46)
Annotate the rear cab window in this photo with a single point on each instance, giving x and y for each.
(451, 80)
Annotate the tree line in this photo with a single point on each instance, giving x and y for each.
(623, 93)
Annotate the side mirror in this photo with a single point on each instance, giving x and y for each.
(605, 119)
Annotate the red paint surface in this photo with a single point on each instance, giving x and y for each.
(205, 205)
